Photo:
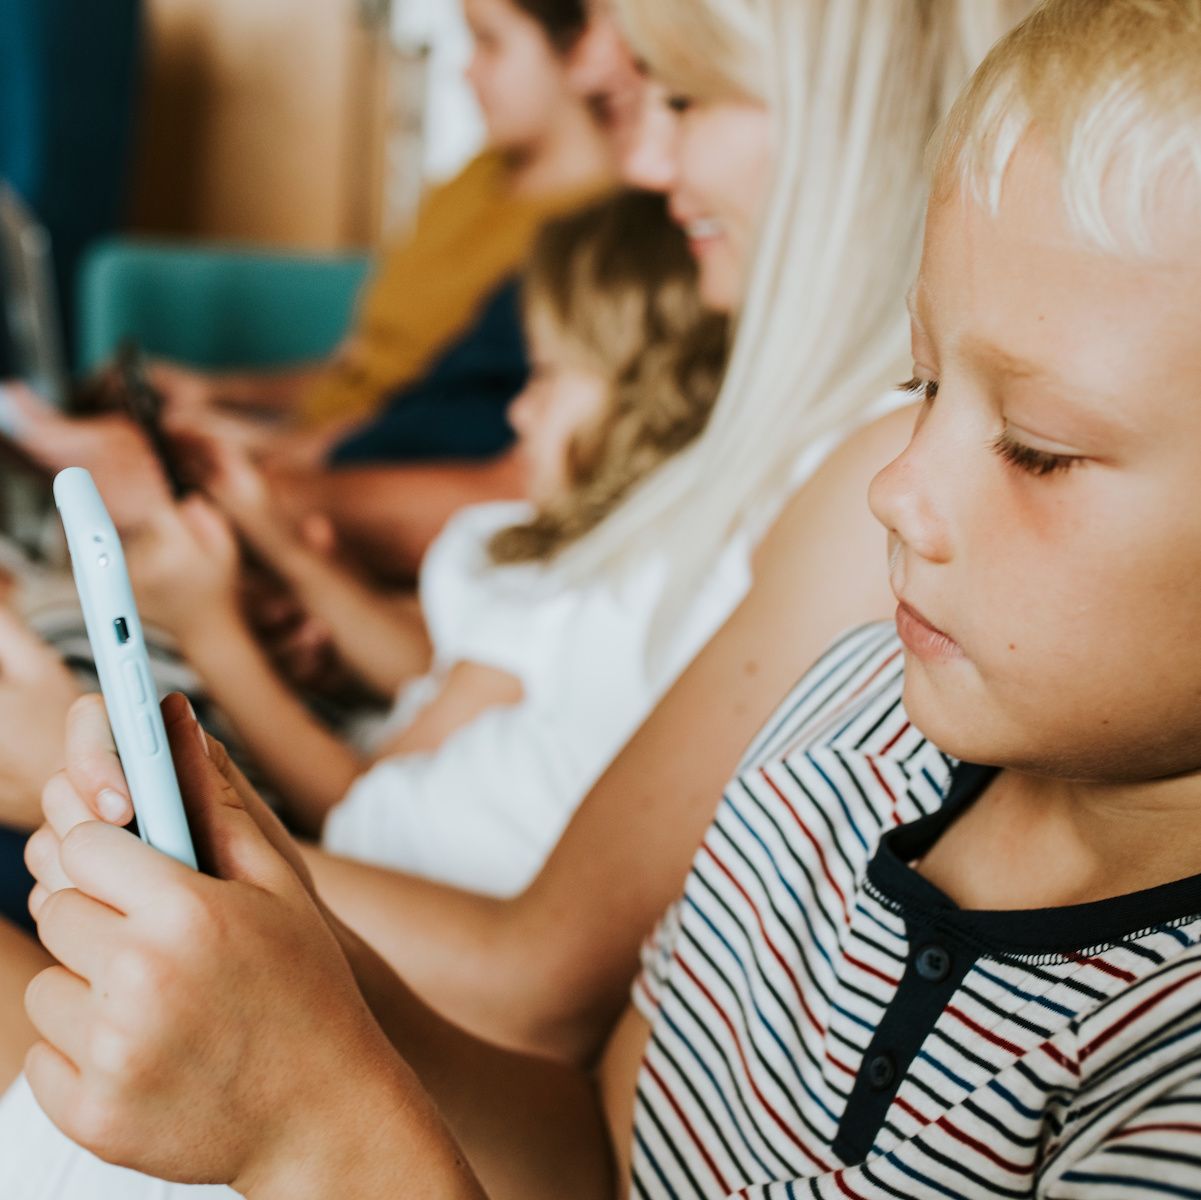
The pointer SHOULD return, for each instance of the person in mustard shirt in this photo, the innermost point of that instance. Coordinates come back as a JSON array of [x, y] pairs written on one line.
[[546, 155], [436, 344]]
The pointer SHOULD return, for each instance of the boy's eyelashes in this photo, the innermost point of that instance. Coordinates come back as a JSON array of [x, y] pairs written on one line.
[[1025, 458], [927, 389], [1033, 462]]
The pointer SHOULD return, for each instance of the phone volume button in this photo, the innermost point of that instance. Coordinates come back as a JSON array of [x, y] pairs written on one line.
[[148, 735], [138, 686]]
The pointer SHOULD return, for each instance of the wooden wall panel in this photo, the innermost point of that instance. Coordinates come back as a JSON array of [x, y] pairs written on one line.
[[256, 123]]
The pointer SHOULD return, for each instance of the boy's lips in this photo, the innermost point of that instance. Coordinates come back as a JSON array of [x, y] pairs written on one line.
[[923, 639]]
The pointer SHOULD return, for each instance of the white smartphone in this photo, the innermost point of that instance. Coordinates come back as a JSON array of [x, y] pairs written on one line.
[[115, 633]]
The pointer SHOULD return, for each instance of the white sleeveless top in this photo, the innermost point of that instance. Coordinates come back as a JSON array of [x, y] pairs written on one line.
[[484, 810]]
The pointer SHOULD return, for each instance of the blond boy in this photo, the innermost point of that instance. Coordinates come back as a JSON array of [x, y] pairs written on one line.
[[891, 973]]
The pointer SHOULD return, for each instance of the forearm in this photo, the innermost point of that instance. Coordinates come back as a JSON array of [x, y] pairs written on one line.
[[280, 391], [388, 516], [476, 960], [383, 641], [386, 1132], [530, 1128], [309, 767]]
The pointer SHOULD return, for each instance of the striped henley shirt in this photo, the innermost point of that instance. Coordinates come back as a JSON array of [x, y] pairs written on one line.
[[827, 1023]]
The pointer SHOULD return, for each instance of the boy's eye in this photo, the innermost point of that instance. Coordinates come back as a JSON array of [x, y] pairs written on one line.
[[679, 104], [927, 389], [1033, 462]]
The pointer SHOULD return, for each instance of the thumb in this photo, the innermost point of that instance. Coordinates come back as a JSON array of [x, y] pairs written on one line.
[[230, 843]]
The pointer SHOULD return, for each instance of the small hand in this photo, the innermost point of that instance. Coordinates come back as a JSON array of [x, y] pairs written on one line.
[[36, 690], [110, 446], [185, 391], [200, 1028], [240, 489], [183, 563]]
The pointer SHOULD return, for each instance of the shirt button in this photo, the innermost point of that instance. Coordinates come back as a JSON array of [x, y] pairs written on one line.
[[881, 1071], [933, 963]]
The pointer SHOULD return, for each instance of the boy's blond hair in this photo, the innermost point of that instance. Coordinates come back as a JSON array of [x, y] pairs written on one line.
[[618, 285], [1112, 87]]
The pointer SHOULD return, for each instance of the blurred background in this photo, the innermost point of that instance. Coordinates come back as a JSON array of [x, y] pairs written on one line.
[[289, 125]]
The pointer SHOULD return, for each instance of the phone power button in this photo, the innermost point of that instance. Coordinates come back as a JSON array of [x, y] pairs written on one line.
[[136, 680]]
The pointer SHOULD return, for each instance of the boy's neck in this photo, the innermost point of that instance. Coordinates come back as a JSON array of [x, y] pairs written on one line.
[[573, 156], [1033, 842]]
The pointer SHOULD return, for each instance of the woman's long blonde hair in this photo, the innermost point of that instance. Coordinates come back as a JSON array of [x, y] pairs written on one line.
[[855, 89]]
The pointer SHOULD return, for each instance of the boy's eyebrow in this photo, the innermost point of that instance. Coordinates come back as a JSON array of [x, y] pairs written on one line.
[[999, 361], [1004, 363]]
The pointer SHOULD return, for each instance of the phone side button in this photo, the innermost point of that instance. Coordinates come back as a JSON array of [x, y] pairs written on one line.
[[148, 735], [136, 679]]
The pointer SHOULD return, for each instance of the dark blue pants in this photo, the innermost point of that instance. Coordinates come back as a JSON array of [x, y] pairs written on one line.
[[15, 879]]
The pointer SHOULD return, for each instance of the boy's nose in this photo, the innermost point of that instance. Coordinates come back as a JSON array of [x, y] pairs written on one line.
[[902, 503]]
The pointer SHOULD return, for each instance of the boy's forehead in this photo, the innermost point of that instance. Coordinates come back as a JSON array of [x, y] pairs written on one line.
[[1024, 283]]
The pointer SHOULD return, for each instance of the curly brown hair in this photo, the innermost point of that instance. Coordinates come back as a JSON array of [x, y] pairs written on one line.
[[618, 282]]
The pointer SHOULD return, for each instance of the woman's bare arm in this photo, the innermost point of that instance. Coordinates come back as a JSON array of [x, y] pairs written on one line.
[[550, 969], [388, 516], [469, 689]]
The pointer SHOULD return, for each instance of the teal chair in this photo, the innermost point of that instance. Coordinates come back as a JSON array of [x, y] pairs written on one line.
[[213, 307]]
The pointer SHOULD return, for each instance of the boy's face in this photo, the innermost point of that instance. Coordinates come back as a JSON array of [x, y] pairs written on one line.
[[1045, 519]]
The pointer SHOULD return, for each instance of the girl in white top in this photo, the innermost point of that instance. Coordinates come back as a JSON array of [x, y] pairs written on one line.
[[516, 685]]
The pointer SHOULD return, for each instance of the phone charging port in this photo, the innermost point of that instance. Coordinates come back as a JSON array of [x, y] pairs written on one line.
[[122, 628]]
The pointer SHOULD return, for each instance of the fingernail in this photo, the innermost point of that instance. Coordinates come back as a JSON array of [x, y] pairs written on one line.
[[204, 741], [114, 807]]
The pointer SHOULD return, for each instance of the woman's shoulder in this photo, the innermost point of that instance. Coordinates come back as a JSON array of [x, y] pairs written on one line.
[[836, 490]]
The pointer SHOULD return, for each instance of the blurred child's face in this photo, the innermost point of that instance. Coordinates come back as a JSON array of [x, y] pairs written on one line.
[[1045, 520], [561, 402], [601, 69], [713, 160], [518, 78]]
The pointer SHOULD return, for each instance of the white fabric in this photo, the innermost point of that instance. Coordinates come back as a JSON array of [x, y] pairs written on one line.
[[37, 1162], [484, 810]]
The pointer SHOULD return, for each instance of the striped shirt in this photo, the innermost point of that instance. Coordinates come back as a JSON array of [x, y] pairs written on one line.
[[827, 1023]]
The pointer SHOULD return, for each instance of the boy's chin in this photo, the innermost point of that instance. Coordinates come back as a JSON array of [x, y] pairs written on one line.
[[951, 721]]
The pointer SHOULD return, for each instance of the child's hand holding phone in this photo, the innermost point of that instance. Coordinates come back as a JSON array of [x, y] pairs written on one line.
[[201, 1027]]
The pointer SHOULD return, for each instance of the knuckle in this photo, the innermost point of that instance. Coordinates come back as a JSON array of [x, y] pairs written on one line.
[[54, 908], [192, 919], [41, 851], [57, 793], [96, 1124], [35, 990], [81, 842], [137, 977], [119, 1055]]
